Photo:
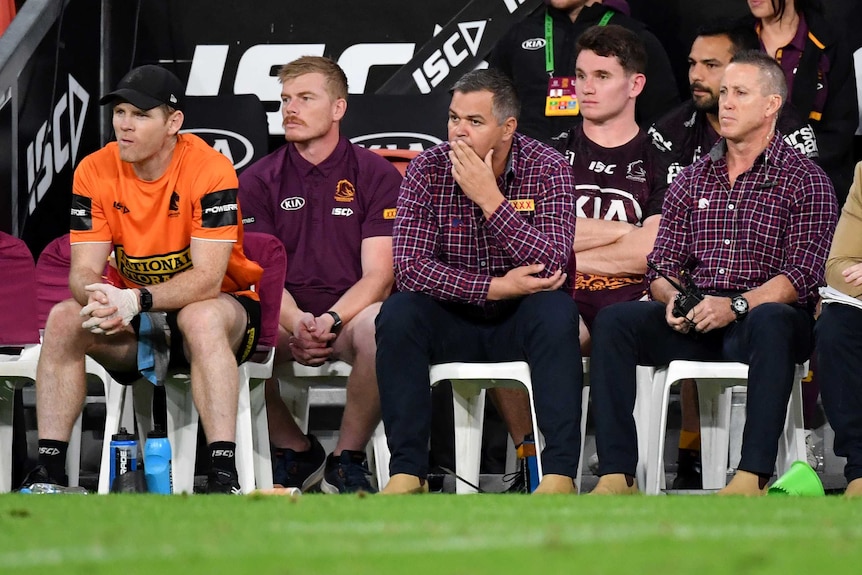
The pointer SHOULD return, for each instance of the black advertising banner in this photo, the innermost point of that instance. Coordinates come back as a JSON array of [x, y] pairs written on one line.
[[458, 47], [57, 122]]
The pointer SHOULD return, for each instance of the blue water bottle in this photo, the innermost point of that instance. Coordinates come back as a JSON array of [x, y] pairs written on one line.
[[157, 462], [124, 454]]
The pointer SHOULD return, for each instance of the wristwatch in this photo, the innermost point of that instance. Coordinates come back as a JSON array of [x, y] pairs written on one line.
[[336, 325], [146, 300], [739, 305]]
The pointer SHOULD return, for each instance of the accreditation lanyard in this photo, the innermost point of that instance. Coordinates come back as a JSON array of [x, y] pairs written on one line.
[[549, 38]]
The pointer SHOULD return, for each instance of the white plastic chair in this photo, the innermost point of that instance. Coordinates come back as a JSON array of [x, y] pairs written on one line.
[[302, 387], [253, 460], [33, 291], [469, 381], [641, 414], [715, 382]]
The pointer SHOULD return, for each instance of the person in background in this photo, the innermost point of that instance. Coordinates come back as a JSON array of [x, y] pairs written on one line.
[[538, 54], [620, 180], [332, 204], [839, 339], [821, 83]]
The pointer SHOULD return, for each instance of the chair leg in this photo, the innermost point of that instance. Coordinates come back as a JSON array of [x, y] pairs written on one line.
[[714, 398], [7, 414], [260, 436], [244, 440], [115, 396], [658, 430], [469, 411], [183, 435], [791, 444], [295, 397], [585, 405], [380, 456], [73, 455], [641, 415]]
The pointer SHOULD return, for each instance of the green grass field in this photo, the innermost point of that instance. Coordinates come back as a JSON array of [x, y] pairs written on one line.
[[439, 534]]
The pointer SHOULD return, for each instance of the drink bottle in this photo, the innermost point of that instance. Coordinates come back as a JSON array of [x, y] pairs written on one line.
[[124, 454], [157, 462]]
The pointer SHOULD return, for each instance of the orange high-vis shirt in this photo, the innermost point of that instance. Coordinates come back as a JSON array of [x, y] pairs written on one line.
[[151, 224]]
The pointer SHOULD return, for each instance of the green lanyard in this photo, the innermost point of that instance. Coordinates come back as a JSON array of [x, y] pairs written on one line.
[[549, 38]]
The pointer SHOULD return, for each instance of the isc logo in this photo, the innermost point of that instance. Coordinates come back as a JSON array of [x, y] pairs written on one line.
[[435, 69], [342, 211], [49, 153], [602, 168]]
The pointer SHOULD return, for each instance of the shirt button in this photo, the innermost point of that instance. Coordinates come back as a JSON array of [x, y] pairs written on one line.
[[483, 264], [729, 206], [721, 271], [727, 242]]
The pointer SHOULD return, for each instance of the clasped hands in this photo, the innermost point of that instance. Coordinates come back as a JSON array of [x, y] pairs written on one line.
[[311, 339], [109, 309], [713, 312]]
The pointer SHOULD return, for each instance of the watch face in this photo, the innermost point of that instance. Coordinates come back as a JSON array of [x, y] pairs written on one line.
[[740, 305]]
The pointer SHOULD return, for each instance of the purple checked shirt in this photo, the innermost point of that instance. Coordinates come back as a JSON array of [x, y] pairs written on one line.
[[443, 245], [777, 219]]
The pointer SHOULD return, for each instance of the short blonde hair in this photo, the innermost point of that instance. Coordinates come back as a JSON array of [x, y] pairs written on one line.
[[336, 80]]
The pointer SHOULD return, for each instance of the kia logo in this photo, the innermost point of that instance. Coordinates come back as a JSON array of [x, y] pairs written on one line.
[[397, 140], [236, 147], [291, 204], [533, 44]]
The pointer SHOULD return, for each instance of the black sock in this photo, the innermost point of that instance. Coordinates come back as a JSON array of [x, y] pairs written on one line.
[[52, 454], [222, 455]]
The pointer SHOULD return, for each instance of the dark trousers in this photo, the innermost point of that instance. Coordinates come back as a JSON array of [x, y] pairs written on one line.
[[770, 340], [839, 365], [415, 331]]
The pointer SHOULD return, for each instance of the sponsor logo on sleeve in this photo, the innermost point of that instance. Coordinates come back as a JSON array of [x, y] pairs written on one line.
[[81, 214], [219, 209], [389, 214], [523, 205]]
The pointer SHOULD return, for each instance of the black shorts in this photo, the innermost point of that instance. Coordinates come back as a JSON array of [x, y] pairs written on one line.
[[178, 357]]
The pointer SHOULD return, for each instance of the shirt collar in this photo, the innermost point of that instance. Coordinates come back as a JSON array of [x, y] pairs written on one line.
[[770, 153], [305, 168]]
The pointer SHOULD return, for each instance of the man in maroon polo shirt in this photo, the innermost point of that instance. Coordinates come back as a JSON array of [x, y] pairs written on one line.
[[332, 203]]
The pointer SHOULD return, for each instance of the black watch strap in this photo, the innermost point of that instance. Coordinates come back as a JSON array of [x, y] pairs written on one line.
[[146, 300], [336, 325]]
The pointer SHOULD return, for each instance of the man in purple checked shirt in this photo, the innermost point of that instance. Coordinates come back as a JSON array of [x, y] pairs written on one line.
[[750, 224], [483, 234]]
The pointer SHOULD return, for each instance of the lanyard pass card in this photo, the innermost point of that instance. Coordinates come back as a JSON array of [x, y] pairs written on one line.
[[561, 99]]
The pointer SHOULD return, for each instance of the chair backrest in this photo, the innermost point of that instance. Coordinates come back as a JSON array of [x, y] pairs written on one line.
[[52, 276], [19, 323], [268, 251], [398, 158]]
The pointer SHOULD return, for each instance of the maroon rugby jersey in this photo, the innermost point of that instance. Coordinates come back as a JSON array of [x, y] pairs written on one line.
[[626, 183]]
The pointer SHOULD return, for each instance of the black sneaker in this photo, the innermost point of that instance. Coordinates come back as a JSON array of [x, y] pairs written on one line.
[[519, 479], [224, 482], [688, 473], [347, 473], [39, 474], [300, 469]]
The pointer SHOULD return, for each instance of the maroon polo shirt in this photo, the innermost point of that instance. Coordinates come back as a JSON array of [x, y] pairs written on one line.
[[321, 213]]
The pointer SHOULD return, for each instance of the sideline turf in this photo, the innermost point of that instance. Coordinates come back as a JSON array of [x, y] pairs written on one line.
[[433, 534]]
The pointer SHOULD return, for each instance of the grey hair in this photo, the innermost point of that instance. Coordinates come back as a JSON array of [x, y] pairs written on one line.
[[771, 74], [505, 103]]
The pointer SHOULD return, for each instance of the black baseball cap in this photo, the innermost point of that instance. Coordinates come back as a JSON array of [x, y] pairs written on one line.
[[147, 87]]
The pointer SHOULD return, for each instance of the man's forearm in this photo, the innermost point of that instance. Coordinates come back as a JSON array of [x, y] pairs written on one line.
[[369, 289], [592, 233]]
